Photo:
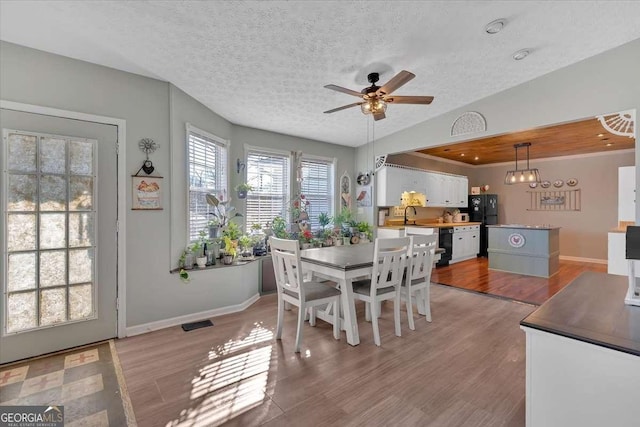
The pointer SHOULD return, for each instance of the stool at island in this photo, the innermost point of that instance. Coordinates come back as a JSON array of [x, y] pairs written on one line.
[[633, 255]]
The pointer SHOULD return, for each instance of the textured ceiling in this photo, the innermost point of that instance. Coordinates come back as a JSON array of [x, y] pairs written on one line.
[[264, 64]]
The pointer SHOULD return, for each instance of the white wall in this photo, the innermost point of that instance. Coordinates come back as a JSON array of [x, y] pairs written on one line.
[[605, 83], [158, 110]]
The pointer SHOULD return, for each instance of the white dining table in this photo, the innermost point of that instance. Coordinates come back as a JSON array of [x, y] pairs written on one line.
[[342, 264]]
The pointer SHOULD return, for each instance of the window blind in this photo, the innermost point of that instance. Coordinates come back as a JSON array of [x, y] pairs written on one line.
[[317, 186], [268, 174], [207, 174]]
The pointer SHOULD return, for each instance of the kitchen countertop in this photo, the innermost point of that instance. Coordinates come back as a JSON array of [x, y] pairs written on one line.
[[591, 309], [430, 225], [622, 227], [523, 226]]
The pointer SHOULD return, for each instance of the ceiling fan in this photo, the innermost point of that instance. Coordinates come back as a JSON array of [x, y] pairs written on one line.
[[375, 98]]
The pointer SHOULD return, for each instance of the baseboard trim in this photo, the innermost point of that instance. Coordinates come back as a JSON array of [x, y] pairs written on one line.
[[175, 321], [580, 259]]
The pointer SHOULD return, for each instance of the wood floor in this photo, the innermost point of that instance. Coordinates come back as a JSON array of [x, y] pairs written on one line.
[[475, 275], [466, 368]]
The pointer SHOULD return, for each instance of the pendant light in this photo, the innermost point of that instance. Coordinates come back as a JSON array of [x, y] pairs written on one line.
[[518, 176]]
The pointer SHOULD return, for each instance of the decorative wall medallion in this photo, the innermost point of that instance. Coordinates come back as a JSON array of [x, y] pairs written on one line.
[[516, 240], [572, 182], [469, 122], [545, 184], [620, 124], [558, 183], [533, 184], [380, 161]]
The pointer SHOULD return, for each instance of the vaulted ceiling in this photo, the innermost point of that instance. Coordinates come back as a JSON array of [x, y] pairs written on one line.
[[264, 64]]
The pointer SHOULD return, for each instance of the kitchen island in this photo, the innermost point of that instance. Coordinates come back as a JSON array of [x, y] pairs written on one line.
[[583, 356], [532, 250]]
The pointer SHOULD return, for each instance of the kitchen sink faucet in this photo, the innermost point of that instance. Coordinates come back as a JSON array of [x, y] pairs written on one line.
[[414, 213]]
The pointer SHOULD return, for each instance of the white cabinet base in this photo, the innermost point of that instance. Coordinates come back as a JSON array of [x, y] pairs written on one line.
[[573, 383]]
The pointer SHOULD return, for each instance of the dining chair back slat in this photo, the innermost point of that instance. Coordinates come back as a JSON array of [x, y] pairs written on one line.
[[418, 277]]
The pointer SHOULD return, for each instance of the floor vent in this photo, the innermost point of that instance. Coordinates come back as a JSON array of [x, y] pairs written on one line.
[[196, 325]]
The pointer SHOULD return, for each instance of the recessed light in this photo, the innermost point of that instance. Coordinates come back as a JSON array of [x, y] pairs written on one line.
[[521, 54], [600, 135], [496, 26], [609, 144], [476, 158], [461, 154]]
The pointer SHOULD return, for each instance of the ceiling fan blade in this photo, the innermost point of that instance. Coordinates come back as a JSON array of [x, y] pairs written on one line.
[[408, 99], [400, 79], [344, 90], [344, 107], [379, 116]]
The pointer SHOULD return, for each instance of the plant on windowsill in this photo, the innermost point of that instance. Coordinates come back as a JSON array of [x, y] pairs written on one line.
[[306, 239], [222, 215], [229, 251], [366, 231], [279, 228], [243, 189]]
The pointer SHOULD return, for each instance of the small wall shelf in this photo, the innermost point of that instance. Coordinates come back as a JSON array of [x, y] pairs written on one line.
[[555, 200]]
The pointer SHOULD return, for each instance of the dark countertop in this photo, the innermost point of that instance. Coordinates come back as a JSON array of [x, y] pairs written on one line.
[[592, 309]]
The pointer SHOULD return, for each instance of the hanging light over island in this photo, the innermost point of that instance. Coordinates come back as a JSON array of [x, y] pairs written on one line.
[[527, 175]]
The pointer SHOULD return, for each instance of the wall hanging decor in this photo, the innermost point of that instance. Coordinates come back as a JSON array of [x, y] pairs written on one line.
[[469, 122], [363, 198], [147, 192], [345, 191], [621, 124], [555, 200], [147, 146]]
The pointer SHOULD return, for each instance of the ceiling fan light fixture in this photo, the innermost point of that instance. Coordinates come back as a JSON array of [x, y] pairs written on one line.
[[494, 27], [522, 175], [374, 106]]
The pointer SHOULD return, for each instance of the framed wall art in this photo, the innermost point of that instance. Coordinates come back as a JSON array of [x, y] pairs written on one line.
[[147, 192]]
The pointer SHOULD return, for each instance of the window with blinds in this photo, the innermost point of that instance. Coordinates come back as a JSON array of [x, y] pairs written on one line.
[[207, 174], [317, 186], [268, 174]]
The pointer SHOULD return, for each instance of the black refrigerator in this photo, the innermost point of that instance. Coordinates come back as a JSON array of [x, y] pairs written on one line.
[[483, 208]]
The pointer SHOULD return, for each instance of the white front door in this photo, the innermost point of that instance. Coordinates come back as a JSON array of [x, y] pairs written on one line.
[[59, 263]]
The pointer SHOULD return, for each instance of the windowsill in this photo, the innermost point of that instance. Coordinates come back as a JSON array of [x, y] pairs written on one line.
[[220, 264]]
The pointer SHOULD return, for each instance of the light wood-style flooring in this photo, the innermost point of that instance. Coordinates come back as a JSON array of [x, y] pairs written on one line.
[[474, 275], [466, 368]]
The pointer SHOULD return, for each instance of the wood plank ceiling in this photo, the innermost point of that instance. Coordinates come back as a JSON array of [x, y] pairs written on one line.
[[581, 137]]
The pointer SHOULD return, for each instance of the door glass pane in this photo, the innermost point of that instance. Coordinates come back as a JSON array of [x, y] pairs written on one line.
[[80, 158], [53, 231], [53, 306], [81, 197], [21, 271], [53, 193], [21, 311], [80, 302], [53, 156], [23, 193], [81, 266], [22, 153], [53, 268], [21, 232], [80, 229]]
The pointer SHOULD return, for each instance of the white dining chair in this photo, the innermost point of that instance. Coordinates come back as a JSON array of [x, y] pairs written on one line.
[[293, 289], [389, 258], [418, 276]]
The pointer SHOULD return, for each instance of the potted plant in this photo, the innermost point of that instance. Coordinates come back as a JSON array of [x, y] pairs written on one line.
[[245, 244], [233, 232], [366, 231], [279, 228], [306, 238], [222, 215], [242, 190], [229, 251]]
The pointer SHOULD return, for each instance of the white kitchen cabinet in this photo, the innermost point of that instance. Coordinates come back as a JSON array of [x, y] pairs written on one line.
[[390, 233], [627, 193], [389, 182], [466, 243], [444, 190]]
